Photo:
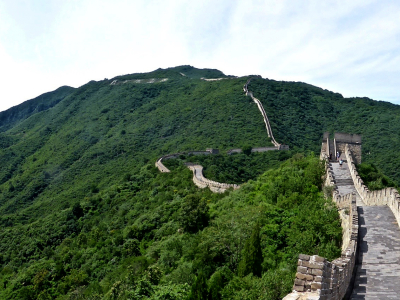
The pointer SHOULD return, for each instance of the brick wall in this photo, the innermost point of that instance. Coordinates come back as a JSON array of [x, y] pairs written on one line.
[[388, 196], [316, 277]]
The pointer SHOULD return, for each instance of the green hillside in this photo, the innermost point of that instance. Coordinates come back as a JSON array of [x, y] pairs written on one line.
[[12, 116], [84, 214], [299, 113]]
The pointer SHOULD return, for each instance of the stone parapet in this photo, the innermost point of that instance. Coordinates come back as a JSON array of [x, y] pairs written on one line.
[[198, 178], [263, 113], [264, 149], [317, 278], [203, 182], [160, 166], [387, 196]]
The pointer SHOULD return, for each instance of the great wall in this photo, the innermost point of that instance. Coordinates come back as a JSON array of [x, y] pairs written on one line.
[[264, 114], [369, 265], [198, 177]]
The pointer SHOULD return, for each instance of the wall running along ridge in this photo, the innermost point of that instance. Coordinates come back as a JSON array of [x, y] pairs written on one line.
[[203, 182], [198, 177], [387, 196], [264, 114], [316, 277]]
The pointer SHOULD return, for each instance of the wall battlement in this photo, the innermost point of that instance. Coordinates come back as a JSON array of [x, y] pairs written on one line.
[[334, 283], [203, 182], [316, 277], [264, 115], [387, 196], [198, 177], [338, 144]]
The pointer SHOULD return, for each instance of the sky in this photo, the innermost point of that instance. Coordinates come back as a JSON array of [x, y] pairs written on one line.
[[349, 47]]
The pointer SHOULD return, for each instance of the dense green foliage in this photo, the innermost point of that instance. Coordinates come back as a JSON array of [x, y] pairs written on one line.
[[235, 168], [130, 240], [373, 178], [252, 259], [299, 113], [84, 214], [16, 114]]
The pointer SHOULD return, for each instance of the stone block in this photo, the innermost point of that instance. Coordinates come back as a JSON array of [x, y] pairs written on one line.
[[299, 288], [315, 265], [318, 278], [317, 272], [302, 276], [316, 286], [318, 258], [302, 270], [304, 257], [299, 282]]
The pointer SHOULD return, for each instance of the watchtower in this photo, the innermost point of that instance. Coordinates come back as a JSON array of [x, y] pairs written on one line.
[[330, 148]]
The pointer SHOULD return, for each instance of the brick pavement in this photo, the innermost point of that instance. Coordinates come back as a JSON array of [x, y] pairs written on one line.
[[378, 266]]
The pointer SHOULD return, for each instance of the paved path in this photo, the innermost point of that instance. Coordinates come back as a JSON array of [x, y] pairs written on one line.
[[378, 269], [378, 266]]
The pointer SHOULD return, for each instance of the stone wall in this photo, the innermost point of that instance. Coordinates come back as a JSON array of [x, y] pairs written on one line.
[[198, 178], [203, 182], [338, 144], [352, 140], [317, 278], [356, 152], [347, 138], [160, 166], [388, 196], [263, 149], [231, 151], [263, 113]]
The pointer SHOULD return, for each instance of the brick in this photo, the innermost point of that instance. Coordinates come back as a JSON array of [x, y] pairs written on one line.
[[318, 258], [318, 278], [302, 270], [316, 286], [299, 282], [302, 276], [299, 288], [315, 265], [304, 257], [317, 272]]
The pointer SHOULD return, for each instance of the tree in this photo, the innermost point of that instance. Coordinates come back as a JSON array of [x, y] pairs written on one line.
[[193, 215], [77, 210], [247, 149], [218, 281], [252, 255], [199, 288]]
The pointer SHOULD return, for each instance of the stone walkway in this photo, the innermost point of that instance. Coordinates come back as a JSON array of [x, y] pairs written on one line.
[[378, 269], [378, 266]]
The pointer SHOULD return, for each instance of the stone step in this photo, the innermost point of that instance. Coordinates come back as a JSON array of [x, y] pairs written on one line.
[[341, 182]]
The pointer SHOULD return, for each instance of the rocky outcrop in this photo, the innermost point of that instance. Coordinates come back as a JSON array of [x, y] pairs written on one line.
[[148, 80]]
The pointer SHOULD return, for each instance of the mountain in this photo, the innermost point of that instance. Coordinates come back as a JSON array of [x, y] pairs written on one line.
[[84, 212], [12, 116]]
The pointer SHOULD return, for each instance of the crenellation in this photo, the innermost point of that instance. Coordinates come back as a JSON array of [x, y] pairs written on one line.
[[331, 280]]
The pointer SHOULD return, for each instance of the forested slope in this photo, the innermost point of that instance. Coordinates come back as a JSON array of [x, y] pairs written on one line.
[[15, 114], [84, 213], [299, 113]]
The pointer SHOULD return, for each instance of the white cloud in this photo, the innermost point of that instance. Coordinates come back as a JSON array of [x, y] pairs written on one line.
[[350, 47]]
